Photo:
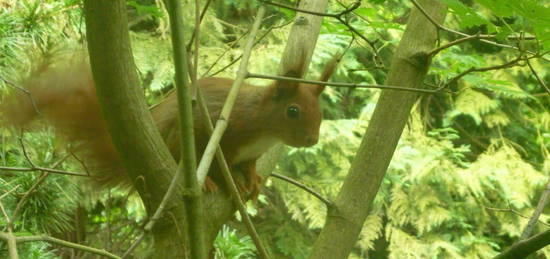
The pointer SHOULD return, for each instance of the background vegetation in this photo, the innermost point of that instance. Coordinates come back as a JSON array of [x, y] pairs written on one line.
[[468, 172]]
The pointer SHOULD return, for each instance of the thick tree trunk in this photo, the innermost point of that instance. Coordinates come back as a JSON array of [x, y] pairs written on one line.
[[141, 148], [133, 132], [410, 65]]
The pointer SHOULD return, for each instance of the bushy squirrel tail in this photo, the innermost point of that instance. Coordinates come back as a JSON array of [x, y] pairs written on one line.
[[63, 94]]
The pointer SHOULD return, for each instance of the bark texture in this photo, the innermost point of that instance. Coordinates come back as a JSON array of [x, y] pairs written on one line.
[[409, 66], [526, 247], [302, 39], [130, 124]]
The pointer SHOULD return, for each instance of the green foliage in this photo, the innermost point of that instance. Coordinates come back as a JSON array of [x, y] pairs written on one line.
[[229, 245], [504, 17], [469, 163]]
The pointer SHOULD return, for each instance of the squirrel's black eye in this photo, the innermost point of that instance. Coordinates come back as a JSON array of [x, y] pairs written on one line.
[[293, 111]]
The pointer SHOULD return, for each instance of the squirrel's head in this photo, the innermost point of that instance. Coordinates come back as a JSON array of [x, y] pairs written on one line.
[[295, 112]]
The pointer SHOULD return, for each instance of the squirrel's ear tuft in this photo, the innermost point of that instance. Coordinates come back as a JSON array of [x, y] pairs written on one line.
[[286, 88], [330, 67], [328, 71]]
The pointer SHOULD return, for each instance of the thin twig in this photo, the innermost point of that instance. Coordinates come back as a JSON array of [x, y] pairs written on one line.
[[441, 27], [221, 124], [514, 212], [43, 169], [38, 182], [213, 147], [133, 246], [39, 168], [80, 161], [349, 85], [158, 213], [26, 196], [223, 54], [338, 16], [539, 79], [200, 18], [6, 217], [8, 192], [456, 42], [508, 64], [536, 214], [240, 56], [23, 239], [327, 202], [25, 91], [333, 15], [25, 153]]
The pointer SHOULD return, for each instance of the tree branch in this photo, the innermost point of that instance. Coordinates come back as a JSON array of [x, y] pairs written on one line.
[[304, 187], [338, 16], [23, 239], [508, 64], [43, 169], [354, 201], [348, 85], [8, 192], [515, 212], [158, 213], [539, 79], [145, 157], [241, 55], [526, 247], [213, 147], [456, 42], [25, 91], [221, 124], [192, 195], [536, 214], [34, 186], [12, 244], [482, 37], [198, 20]]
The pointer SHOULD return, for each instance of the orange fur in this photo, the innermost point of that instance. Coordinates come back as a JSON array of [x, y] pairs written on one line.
[[65, 96]]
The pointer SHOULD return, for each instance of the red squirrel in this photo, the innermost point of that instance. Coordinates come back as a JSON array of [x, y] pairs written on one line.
[[263, 116]]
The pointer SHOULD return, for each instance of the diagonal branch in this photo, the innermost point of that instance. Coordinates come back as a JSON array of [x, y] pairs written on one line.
[[338, 16], [9, 191], [317, 195], [538, 211], [213, 147], [458, 41], [198, 20], [25, 91], [525, 247], [482, 37], [221, 124], [511, 63], [40, 180], [24, 239], [158, 213], [539, 79], [240, 56]]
